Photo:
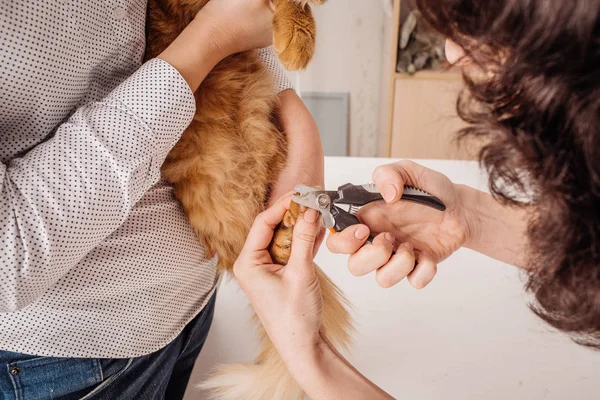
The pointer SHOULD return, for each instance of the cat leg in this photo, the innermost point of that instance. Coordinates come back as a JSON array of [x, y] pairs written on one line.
[[294, 33]]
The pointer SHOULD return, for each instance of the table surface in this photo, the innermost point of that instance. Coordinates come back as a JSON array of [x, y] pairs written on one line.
[[468, 335]]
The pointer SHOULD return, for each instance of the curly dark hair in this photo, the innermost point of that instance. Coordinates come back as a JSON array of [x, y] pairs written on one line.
[[536, 105]]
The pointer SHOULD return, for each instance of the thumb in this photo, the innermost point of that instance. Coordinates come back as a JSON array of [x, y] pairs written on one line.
[[305, 235], [390, 179]]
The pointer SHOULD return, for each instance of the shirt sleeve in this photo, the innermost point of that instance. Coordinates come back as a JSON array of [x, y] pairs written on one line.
[[271, 61], [68, 194]]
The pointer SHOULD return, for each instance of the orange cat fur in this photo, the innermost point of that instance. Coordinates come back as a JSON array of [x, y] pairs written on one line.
[[223, 166]]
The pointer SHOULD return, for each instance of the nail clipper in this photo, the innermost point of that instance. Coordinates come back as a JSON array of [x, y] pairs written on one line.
[[338, 208]]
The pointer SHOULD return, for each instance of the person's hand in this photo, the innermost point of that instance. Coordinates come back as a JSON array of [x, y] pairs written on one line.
[[289, 303], [288, 299], [221, 28], [238, 25], [304, 163], [420, 235]]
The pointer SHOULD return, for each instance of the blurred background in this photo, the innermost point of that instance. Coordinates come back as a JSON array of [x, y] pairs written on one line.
[[379, 86]]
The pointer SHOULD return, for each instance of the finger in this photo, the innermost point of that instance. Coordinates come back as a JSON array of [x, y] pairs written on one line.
[[262, 230], [423, 273], [318, 241], [390, 179], [400, 265], [349, 240], [372, 256], [305, 234]]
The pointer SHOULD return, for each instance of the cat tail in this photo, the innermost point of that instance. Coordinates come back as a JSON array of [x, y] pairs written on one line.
[[264, 381], [268, 378]]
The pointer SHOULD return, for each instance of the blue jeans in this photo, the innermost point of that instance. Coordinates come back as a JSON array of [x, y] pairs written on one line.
[[163, 374]]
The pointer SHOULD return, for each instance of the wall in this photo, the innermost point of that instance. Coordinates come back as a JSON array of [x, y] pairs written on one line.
[[349, 59], [388, 67]]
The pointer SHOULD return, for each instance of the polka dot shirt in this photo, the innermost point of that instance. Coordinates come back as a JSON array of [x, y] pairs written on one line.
[[97, 258]]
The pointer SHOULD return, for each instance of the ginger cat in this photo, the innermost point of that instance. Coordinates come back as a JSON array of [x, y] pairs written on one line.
[[224, 164]]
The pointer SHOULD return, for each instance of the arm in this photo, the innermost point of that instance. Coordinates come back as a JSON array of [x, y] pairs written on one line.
[[305, 161], [304, 164], [305, 150], [221, 28], [324, 374], [109, 153], [496, 230], [289, 302]]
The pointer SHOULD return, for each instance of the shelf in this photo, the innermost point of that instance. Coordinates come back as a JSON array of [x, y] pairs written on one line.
[[441, 75], [421, 116]]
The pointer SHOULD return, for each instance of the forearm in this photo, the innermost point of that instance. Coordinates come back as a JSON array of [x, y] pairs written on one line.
[[305, 150], [496, 230], [325, 374], [195, 52]]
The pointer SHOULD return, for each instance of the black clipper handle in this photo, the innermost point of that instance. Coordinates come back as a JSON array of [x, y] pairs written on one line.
[[365, 194], [344, 219]]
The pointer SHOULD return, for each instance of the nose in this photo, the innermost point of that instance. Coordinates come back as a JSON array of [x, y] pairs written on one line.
[[455, 54]]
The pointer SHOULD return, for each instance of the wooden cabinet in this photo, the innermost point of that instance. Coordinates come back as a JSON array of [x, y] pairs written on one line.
[[422, 120]]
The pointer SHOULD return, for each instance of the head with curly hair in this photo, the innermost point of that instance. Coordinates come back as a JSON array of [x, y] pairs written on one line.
[[535, 100]]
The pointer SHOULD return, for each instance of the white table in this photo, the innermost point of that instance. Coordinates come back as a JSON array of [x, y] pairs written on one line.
[[468, 335]]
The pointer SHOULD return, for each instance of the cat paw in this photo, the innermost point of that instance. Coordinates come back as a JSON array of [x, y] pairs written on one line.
[[294, 33], [281, 245]]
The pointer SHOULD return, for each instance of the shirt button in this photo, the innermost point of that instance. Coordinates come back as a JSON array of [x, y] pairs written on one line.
[[14, 371], [119, 12]]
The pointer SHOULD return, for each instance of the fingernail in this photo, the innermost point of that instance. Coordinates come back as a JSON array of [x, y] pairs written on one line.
[[389, 193], [311, 216], [361, 233], [390, 238]]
